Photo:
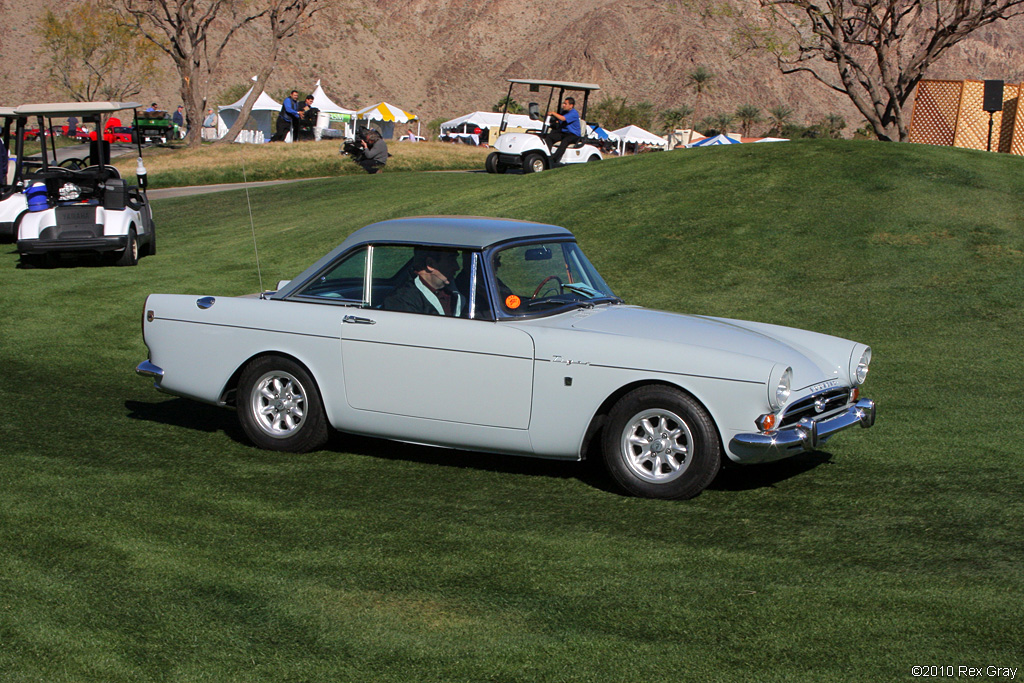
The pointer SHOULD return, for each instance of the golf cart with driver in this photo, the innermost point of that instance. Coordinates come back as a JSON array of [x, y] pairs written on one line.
[[79, 205], [531, 150]]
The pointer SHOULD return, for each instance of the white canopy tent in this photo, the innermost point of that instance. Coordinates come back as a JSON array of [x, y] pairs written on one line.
[[487, 119], [261, 115], [388, 115], [329, 111], [637, 136]]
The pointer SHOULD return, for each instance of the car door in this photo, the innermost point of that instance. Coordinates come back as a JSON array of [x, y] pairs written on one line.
[[452, 369]]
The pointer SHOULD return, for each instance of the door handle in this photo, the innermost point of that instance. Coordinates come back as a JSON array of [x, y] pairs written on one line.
[[357, 320]]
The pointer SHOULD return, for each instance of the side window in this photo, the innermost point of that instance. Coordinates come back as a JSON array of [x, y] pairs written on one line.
[[429, 281], [392, 268], [342, 281]]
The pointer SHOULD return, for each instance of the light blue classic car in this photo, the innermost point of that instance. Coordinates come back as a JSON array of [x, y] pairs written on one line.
[[500, 336]]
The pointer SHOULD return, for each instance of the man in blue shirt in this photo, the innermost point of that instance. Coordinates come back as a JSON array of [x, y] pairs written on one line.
[[288, 117], [568, 132]]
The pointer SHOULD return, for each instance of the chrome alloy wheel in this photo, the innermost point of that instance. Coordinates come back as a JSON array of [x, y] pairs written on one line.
[[278, 404], [656, 445]]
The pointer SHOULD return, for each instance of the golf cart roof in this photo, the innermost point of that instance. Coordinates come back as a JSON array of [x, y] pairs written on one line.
[[565, 85], [6, 111], [73, 108]]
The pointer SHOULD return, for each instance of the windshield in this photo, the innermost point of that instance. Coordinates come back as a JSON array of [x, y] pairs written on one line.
[[535, 279]]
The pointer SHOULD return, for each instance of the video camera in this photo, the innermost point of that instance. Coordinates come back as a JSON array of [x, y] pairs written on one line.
[[354, 148]]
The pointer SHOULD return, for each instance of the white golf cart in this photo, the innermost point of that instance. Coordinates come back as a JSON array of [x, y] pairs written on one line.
[[12, 200], [79, 206], [530, 150]]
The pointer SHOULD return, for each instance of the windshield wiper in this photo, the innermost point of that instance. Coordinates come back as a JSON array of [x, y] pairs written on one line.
[[560, 301]]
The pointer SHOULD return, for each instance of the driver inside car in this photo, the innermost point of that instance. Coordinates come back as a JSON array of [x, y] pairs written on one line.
[[430, 290]]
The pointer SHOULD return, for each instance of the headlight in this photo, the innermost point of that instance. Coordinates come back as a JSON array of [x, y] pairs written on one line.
[[859, 372], [779, 386]]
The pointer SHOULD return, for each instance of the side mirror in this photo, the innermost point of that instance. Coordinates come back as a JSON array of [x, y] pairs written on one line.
[[534, 110]]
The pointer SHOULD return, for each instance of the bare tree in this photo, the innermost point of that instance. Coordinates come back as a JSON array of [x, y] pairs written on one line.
[[195, 34], [284, 19], [872, 51], [90, 56]]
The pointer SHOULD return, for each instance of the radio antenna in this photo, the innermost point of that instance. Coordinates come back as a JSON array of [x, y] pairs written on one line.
[[248, 203]]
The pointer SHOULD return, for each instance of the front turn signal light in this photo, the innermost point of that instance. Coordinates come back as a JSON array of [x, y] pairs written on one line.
[[766, 423]]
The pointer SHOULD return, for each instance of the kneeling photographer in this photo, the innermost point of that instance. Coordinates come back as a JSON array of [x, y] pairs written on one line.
[[368, 150]]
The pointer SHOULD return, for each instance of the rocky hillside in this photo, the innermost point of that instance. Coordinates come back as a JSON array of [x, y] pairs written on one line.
[[443, 59]]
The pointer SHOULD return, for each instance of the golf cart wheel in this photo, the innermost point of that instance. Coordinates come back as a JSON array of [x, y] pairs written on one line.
[[661, 443], [491, 164], [534, 163], [130, 255], [593, 157]]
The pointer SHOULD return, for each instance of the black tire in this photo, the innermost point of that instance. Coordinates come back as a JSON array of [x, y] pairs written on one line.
[[661, 443], [534, 163], [491, 164], [129, 256], [279, 406], [593, 157]]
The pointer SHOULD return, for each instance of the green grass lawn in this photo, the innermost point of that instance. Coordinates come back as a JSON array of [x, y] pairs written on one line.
[[144, 539]]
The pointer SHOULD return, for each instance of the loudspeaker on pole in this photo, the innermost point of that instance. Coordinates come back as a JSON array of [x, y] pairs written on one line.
[[993, 96]]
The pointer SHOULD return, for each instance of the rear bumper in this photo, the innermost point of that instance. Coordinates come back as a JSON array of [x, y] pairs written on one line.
[[807, 435], [147, 369], [115, 243]]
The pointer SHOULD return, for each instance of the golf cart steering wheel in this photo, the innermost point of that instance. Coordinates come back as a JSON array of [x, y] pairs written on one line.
[[543, 282]]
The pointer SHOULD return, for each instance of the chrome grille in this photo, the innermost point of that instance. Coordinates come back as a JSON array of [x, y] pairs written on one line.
[[815, 405]]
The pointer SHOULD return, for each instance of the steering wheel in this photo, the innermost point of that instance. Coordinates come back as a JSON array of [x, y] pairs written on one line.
[[73, 164], [546, 280]]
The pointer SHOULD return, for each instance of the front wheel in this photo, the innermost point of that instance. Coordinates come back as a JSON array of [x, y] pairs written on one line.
[[279, 406], [534, 163], [661, 443], [491, 164]]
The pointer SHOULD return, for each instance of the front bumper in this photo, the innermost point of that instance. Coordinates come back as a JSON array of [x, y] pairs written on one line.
[[806, 435], [116, 243]]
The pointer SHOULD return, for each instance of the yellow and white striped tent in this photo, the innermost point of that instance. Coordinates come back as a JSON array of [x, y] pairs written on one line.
[[388, 115]]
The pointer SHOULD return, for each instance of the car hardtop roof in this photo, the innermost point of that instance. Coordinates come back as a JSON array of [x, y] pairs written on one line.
[[469, 232], [73, 108], [463, 232], [565, 85]]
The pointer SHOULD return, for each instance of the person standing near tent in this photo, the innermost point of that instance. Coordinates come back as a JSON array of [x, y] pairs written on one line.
[[568, 132], [288, 117], [210, 125]]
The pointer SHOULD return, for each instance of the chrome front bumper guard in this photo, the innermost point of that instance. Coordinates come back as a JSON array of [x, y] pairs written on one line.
[[807, 435]]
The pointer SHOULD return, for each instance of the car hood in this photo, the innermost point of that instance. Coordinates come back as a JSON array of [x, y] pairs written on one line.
[[814, 357]]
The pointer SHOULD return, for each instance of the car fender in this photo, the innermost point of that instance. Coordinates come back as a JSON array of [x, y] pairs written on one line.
[[201, 342]]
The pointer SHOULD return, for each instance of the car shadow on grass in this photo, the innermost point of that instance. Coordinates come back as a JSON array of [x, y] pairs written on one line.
[[766, 475], [187, 414]]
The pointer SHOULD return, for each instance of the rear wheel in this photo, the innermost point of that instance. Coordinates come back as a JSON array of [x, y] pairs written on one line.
[[130, 255], [279, 406], [661, 443], [534, 163]]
